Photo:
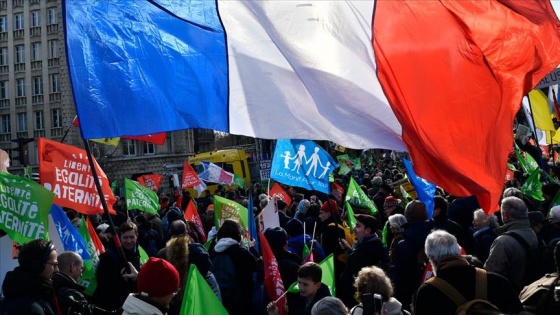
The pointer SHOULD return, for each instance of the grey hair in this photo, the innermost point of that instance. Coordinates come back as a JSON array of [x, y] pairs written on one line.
[[377, 181], [515, 208], [441, 244], [329, 306], [512, 192], [66, 259]]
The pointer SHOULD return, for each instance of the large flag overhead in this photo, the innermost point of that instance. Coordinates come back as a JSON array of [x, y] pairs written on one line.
[[278, 69]]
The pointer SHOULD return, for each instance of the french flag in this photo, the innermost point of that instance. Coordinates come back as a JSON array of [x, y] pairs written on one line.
[[442, 80]]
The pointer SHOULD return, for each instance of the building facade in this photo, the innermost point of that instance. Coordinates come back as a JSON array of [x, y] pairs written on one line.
[[36, 98]]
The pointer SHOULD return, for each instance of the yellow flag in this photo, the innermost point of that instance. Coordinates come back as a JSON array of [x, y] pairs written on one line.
[[539, 108], [109, 141]]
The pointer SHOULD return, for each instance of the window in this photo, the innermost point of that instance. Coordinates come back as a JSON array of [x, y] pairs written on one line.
[[149, 148], [53, 48], [38, 85], [35, 19], [129, 147], [36, 51], [20, 87], [20, 54], [18, 21], [3, 23], [3, 90], [56, 118], [5, 124], [39, 120], [55, 83], [52, 16], [4, 56], [21, 122]]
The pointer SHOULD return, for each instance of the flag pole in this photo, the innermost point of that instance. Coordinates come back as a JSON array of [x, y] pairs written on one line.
[[116, 238], [312, 237]]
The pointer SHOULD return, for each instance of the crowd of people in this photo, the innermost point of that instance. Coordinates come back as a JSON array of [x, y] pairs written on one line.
[[401, 260]]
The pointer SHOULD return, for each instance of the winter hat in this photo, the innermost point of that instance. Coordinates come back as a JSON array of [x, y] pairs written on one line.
[[330, 206], [157, 278], [536, 217], [294, 227], [276, 237], [397, 220], [391, 201]]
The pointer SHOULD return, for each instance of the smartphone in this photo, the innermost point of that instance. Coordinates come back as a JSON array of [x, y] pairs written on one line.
[[368, 304], [378, 301]]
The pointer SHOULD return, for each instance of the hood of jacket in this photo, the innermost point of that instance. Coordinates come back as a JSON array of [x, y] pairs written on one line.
[[224, 243], [22, 283], [135, 306]]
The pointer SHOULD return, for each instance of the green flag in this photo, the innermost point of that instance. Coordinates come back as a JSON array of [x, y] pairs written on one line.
[[27, 171], [199, 299], [357, 163], [143, 255], [357, 197], [24, 208], [88, 279], [533, 186], [306, 251], [238, 181], [527, 163], [345, 163], [114, 187], [140, 197], [351, 216], [208, 243], [327, 266], [229, 209], [384, 234]]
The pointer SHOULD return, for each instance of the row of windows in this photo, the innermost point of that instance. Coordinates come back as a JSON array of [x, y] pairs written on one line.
[[38, 121], [36, 88], [129, 147], [19, 24], [36, 52]]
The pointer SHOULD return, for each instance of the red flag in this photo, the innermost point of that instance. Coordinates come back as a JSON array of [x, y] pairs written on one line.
[[494, 52], [277, 190], [191, 215], [75, 121], [544, 150], [190, 177], [156, 138], [152, 181], [337, 191], [509, 175], [94, 238], [272, 279]]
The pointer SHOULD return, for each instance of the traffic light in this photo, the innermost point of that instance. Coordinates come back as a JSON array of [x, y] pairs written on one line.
[[22, 149]]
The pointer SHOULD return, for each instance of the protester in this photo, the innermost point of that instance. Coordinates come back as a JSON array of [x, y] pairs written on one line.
[[444, 254], [28, 288], [331, 234], [396, 224], [116, 279], [158, 282], [484, 236], [373, 280], [288, 262], [296, 241], [329, 306], [442, 222]]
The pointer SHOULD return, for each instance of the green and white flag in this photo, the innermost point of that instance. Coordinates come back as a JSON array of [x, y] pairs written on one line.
[[140, 197], [238, 181], [228, 209], [358, 198], [533, 186], [24, 208]]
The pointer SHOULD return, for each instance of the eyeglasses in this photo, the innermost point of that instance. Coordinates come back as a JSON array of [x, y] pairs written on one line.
[[55, 265]]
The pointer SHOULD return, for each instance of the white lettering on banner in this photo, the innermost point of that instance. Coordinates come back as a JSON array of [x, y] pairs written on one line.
[[311, 181], [550, 79], [74, 178], [76, 195], [73, 165], [25, 228]]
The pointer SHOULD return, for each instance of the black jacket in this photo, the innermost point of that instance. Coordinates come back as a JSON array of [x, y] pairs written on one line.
[[27, 293], [300, 307], [69, 295]]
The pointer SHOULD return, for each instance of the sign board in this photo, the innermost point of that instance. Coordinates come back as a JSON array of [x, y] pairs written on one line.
[[550, 79], [265, 166]]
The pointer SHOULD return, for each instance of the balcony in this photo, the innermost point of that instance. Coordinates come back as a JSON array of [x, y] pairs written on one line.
[[5, 103], [5, 69], [17, 3], [52, 29], [39, 133], [57, 132], [5, 137], [37, 99], [21, 101], [55, 97], [3, 36], [54, 62], [37, 65], [34, 1], [35, 31], [19, 67], [19, 34]]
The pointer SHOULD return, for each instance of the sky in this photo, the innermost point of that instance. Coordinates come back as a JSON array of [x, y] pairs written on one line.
[[556, 5]]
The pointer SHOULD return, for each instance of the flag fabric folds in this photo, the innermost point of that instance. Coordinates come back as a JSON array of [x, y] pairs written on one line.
[[425, 190], [272, 279], [190, 177], [357, 197], [69, 235], [215, 174], [229, 209], [327, 70], [95, 248], [191, 215], [279, 192], [152, 181], [140, 197], [199, 299]]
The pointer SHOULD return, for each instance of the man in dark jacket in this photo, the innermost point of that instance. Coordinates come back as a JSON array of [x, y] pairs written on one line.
[[27, 288], [444, 254], [367, 251]]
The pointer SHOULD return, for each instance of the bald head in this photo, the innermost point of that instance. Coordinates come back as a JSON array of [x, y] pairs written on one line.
[[71, 264]]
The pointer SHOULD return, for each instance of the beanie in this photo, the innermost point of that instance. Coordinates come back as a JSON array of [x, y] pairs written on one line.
[[276, 237], [391, 201], [330, 206], [157, 278], [294, 227]]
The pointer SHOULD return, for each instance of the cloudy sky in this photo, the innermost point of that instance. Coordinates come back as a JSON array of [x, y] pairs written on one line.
[[556, 5]]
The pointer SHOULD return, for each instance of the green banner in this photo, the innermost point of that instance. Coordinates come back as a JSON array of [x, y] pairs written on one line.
[[328, 278], [229, 209], [358, 198], [88, 279], [24, 208], [357, 163], [533, 186], [351, 216], [238, 181], [140, 197]]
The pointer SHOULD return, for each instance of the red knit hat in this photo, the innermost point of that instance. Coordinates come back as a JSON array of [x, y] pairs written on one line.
[[330, 206], [157, 278], [391, 201]]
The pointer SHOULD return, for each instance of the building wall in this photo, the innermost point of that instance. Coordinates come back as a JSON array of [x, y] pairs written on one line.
[[56, 100]]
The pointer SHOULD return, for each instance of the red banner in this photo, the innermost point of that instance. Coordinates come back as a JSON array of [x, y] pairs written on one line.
[[272, 279], [152, 181], [191, 215], [65, 170], [190, 177], [278, 191], [337, 191], [99, 248], [156, 138]]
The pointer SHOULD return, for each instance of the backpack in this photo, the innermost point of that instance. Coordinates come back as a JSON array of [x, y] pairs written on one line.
[[539, 260], [480, 304], [538, 297], [226, 276]]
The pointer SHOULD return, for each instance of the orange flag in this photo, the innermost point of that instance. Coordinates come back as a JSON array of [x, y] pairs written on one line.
[[65, 170], [152, 181], [191, 215], [278, 191], [190, 177], [99, 248]]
